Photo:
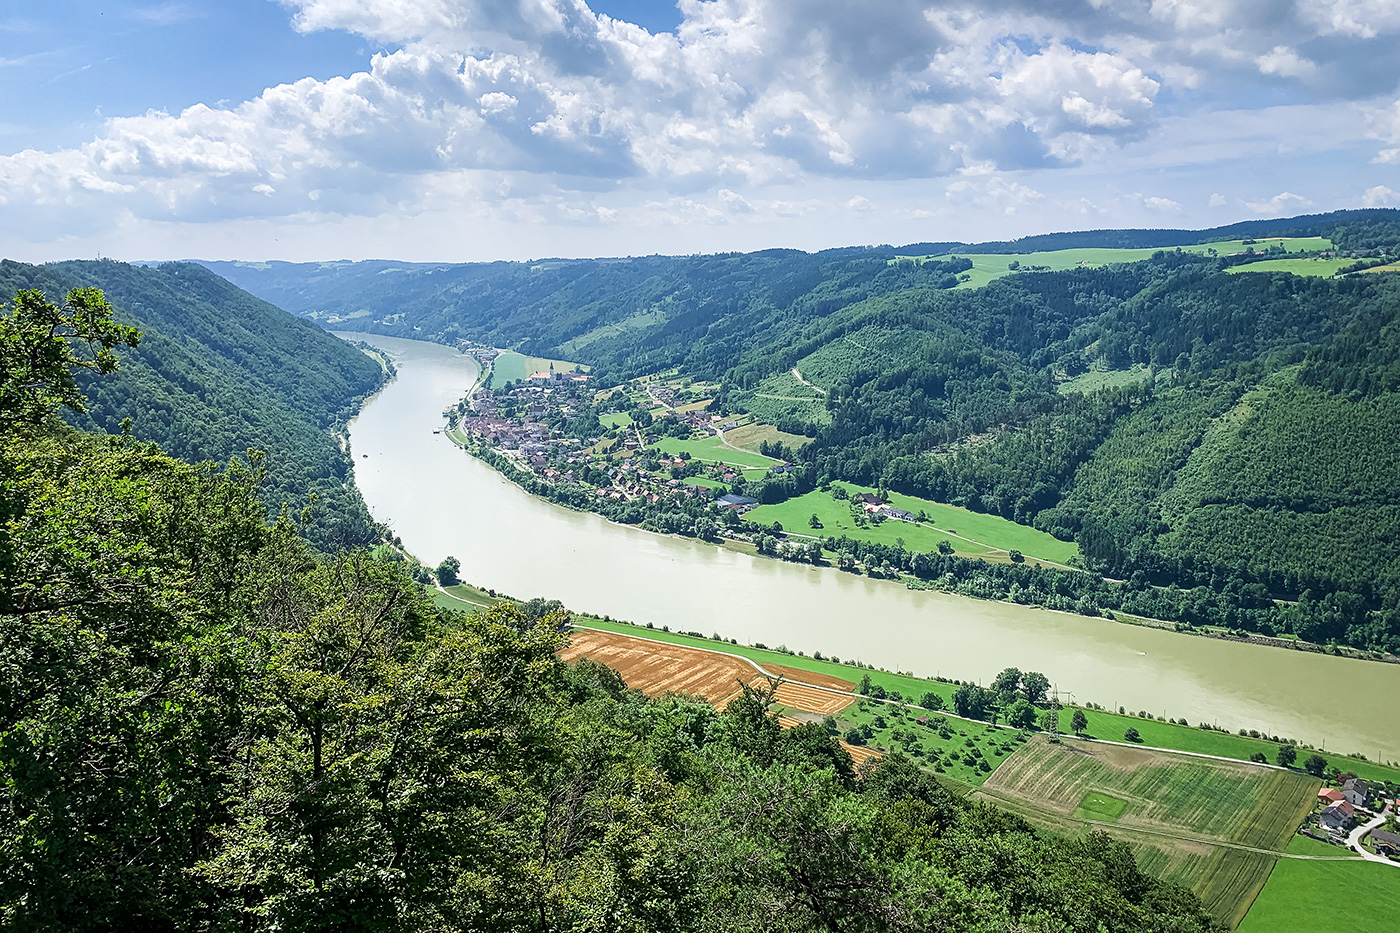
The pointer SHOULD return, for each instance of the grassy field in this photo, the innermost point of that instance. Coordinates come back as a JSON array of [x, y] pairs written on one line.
[[712, 449], [1304, 896], [615, 419], [1173, 809], [1295, 266], [969, 532], [1307, 845], [751, 435], [511, 366], [1094, 380], [989, 266]]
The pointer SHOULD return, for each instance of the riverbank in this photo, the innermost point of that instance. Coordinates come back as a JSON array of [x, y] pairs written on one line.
[[902, 687]]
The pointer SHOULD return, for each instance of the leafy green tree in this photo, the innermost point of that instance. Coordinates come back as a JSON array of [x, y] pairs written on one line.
[[1286, 755], [1078, 722], [1035, 686], [42, 347], [1007, 683], [814, 521], [447, 571], [1020, 714], [1315, 765], [1259, 758], [932, 701], [1131, 734]]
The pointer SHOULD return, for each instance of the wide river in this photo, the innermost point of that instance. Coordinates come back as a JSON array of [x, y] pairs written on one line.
[[442, 501]]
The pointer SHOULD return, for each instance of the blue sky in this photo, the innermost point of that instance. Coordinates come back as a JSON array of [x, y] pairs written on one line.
[[457, 130]]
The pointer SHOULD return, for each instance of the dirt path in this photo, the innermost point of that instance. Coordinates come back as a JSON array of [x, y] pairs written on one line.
[[802, 379]]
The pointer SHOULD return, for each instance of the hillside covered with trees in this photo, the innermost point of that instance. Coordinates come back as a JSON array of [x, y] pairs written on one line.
[[207, 725], [1222, 443], [218, 372]]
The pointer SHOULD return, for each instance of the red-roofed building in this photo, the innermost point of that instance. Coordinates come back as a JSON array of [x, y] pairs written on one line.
[[1331, 795]]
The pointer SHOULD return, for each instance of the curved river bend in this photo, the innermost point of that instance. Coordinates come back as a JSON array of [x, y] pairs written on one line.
[[442, 501]]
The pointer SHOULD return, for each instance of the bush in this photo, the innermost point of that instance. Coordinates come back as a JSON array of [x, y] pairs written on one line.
[[1132, 735]]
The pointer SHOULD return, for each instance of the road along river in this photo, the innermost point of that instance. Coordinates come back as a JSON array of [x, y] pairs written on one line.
[[442, 501]]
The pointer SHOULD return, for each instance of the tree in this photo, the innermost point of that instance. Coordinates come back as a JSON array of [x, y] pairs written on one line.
[[864, 688], [1007, 683], [945, 547], [1034, 686], [1315, 765], [1078, 722], [1287, 754], [814, 521], [1132, 735], [447, 571], [1259, 758], [931, 701], [1020, 714], [43, 345], [813, 552], [1017, 557], [767, 544], [972, 701]]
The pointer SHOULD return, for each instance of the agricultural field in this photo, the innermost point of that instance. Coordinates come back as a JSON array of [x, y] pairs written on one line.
[[512, 367], [1295, 266], [1201, 798], [970, 533], [989, 266], [1326, 896], [1174, 810], [710, 448], [655, 668], [750, 436]]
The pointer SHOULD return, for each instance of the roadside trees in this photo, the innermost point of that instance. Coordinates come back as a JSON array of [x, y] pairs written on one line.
[[1287, 754], [1132, 735], [447, 571], [1078, 722], [1315, 765], [1034, 685]]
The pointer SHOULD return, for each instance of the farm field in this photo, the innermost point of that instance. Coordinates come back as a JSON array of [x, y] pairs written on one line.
[[1295, 266], [749, 436], [1320, 896], [989, 266], [1170, 808], [1197, 797], [967, 752], [658, 668], [711, 448], [511, 366], [971, 533]]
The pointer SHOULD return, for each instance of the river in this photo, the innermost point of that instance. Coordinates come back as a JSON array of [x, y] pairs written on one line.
[[441, 501]]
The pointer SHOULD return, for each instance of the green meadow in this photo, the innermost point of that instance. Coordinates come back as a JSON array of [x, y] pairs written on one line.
[[972, 533], [989, 266], [1295, 266], [711, 448], [1324, 896]]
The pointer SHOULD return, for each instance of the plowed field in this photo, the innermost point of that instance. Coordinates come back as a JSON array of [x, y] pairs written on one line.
[[655, 668], [859, 753]]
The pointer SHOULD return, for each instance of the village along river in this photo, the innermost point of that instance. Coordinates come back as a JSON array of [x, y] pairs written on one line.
[[441, 501]]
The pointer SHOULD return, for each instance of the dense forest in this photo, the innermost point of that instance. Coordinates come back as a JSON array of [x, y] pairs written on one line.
[[1220, 443], [208, 725], [218, 372]]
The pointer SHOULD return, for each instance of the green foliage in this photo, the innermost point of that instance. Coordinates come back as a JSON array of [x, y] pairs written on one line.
[[217, 373]]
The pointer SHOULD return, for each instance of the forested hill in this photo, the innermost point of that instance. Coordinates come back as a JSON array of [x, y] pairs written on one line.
[[218, 372], [1219, 438]]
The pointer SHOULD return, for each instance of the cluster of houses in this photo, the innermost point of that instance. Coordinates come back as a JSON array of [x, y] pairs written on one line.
[[1346, 806]]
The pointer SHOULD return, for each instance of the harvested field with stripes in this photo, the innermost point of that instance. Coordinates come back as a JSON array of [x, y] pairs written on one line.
[[808, 677], [803, 697], [656, 668], [859, 753], [1210, 825]]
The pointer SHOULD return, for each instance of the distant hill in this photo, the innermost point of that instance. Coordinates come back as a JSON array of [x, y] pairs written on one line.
[[1215, 440], [218, 372]]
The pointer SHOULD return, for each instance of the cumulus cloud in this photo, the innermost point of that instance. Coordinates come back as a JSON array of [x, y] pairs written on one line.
[[1162, 205], [1283, 201], [543, 102], [1217, 200], [1380, 196]]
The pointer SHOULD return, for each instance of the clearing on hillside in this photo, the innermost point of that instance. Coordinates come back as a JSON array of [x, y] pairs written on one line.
[[655, 668], [1188, 819]]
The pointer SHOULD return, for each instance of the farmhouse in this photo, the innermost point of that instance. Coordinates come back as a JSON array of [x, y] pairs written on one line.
[[868, 498], [1357, 792], [1386, 843], [1336, 816], [1331, 795], [730, 500]]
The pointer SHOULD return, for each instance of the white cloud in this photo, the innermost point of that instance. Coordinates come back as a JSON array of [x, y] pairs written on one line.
[[1380, 196], [1283, 201], [1217, 200], [541, 111]]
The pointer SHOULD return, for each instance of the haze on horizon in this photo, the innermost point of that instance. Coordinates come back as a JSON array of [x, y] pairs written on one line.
[[451, 130]]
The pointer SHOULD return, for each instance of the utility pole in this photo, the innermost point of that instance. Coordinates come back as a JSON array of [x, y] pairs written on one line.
[[1055, 713]]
